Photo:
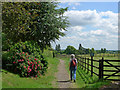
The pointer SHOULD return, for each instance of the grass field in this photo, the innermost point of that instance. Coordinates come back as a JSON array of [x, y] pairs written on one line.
[[104, 63], [101, 55], [10, 80], [0, 80]]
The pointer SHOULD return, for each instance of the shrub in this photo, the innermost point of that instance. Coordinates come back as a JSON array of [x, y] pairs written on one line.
[[27, 60]]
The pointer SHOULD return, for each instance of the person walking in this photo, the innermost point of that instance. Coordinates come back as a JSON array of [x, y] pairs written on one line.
[[73, 67]]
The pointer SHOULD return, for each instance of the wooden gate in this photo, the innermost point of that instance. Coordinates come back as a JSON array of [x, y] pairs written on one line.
[[116, 71], [102, 73]]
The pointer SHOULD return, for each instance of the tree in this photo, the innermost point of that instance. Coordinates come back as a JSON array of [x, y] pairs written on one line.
[[87, 51], [37, 21], [101, 50], [104, 51], [80, 49], [92, 50], [70, 50], [5, 45], [57, 48]]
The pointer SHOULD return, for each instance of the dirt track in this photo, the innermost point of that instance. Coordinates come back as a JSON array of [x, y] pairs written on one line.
[[63, 77]]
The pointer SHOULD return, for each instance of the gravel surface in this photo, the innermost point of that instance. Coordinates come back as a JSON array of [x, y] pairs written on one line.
[[63, 77]]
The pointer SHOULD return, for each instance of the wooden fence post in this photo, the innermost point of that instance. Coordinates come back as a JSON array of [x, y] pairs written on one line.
[[79, 62], [85, 63], [91, 65], [88, 64], [82, 63], [101, 68]]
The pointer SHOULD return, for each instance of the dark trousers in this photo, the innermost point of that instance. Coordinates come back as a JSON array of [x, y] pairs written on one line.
[[73, 73]]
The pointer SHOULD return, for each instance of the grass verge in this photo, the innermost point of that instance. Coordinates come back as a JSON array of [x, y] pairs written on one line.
[[10, 80]]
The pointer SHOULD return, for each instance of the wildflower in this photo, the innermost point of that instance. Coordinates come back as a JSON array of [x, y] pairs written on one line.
[[29, 13], [23, 52], [36, 67], [35, 59], [14, 62]]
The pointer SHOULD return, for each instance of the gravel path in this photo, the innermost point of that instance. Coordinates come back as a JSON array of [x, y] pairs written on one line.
[[63, 77]]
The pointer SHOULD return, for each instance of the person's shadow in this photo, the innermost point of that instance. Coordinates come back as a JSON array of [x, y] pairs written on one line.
[[64, 81]]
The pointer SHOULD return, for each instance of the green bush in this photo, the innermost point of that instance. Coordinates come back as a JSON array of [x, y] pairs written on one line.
[[26, 59]]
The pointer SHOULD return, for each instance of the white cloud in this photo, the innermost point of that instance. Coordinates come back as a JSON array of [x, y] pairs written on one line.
[[82, 17], [77, 4], [73, 8], [103, 34]]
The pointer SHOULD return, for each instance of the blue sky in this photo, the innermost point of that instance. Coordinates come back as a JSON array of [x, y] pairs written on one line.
[[99, 6], [93, 24]]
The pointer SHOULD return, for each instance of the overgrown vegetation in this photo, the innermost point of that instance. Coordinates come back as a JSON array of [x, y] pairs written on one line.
[[26, 59], [11, 80]]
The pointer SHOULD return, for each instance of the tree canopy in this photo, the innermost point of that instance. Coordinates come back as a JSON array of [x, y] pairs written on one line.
[[70, 50], [38, 21]]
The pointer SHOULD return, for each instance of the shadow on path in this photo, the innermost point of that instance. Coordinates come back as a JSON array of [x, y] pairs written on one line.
[[85, 77], [63, 76], [64, 81]]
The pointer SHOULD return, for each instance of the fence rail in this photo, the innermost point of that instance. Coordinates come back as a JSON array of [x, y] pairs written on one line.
[[88, 65]]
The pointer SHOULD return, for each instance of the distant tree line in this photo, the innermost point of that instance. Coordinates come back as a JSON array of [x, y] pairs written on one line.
[[81, 50]]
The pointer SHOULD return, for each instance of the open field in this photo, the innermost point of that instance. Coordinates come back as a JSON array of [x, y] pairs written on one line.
[[104, 63]]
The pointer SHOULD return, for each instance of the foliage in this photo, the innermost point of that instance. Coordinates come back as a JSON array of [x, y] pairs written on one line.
[[80, 47], [70, 50], [26, 58], [38, 21], [92, 50], [58, 49], [101, 50], [11, 80], [5, 45], [104, 50], [88, 51]]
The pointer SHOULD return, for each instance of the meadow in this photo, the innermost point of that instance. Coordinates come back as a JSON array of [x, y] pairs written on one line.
[[106, 57]]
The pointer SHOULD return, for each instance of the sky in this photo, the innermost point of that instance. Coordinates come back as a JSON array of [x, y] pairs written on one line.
[[92, 24]]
